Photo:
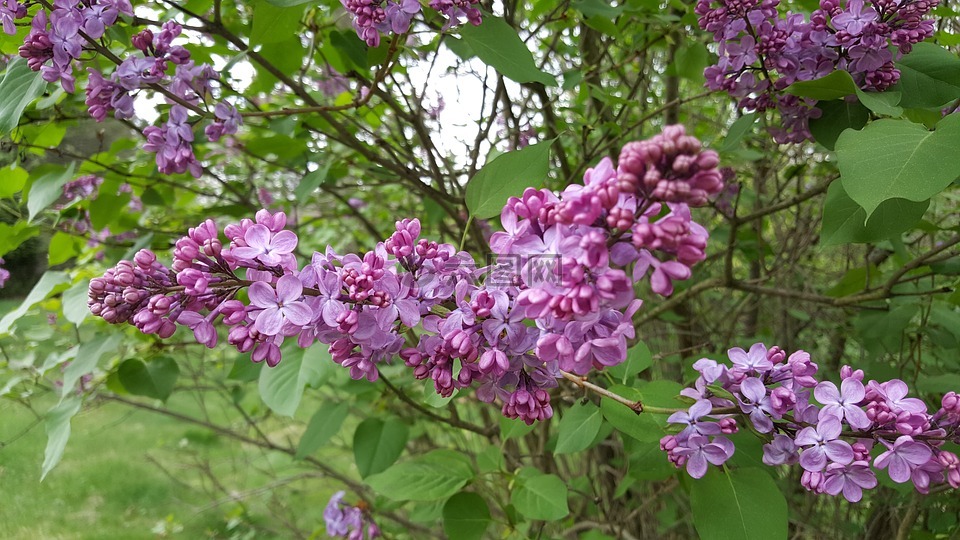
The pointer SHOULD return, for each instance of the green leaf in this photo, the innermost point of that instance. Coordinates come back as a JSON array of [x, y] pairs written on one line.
[[882, 102], [541, 497], [843, 219], [88, 356], [63, 247], [46, 189], [12, 180], [898, 159], [466, 516], [739, 504], [929, 77], [691, 59], [154, 379], [639, 426], [20, 86], [377, 444], [11, 236], [244, 370], [833, 86], [281, 387], [432, 476], [309, 183], [324, 424], [513, 428], [41, 290], [577, 428], [507, 175], [57, 425], [273, 23], [638, 359], [836, 117], [740, 127], [497, 44], [595, 8], [289, 3], [74, 302]]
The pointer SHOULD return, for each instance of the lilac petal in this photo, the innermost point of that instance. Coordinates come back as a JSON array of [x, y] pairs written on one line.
[[895, 389], [697, 465], [852, 390], [807, 436], [898, 470], [700, 409], [714, 454], [269, 321], [248, 253], [852, 492], [834, 484], [813, 459], [753, 389], [761, 421], [827, 393], [916, 453], [298, 313], [839, 451], [856, 417], [257, 236], [829, 428], [262, 295], [289, 288], [284, 242]]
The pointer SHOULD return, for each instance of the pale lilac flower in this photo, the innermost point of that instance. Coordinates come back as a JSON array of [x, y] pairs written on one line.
[[280, 305], [781, 451], [264, 246], [903, 456], [699, 451], [850, 479], [843, 403], [691, 418], [822, 444]]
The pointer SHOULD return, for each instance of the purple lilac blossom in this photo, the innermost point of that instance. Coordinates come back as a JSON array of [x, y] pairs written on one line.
[[831, 438], [360, 305], [349, 522], [762, 52], [4, 274]]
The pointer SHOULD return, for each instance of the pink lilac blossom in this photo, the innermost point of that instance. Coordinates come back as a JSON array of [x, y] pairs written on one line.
[[828, 431]]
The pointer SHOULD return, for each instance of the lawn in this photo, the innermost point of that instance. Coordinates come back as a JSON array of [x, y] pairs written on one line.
[[129, 474]]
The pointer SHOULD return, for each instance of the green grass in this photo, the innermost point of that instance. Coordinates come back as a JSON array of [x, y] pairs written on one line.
[[110, 483]]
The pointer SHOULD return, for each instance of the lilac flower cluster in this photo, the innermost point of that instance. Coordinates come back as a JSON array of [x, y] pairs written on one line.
[[11, 10], [52, 45], [375, 17], [473, 332], [4, 274], [84, 187], [839, 436], [763, 52], [350, 522]]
